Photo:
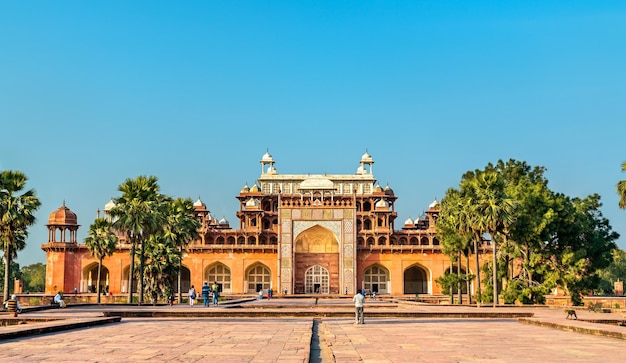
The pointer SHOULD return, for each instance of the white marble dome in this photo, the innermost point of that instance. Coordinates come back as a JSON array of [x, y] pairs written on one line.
[[110, 205]]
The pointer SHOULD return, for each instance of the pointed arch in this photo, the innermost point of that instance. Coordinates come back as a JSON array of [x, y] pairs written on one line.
[[316, 239], [185, 280], [416, 280], [219, 273], [376, 279], [89, 281], [259, 277], [125, 272]]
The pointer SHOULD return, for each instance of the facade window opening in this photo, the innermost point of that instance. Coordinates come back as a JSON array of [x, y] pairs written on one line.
[[316, 280], [259, 278], [220, 274]]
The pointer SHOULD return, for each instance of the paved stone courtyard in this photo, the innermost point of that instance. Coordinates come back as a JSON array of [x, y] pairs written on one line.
[[288, 339]]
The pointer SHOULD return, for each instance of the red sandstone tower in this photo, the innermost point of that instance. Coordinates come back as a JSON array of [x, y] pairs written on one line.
[[62, 262]]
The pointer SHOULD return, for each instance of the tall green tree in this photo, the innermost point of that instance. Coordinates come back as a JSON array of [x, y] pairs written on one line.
[[162, 260], [582, 242], [101, 242], [164, 248], [529, 229], [560, 241], [138, 216], [621, 189], [182, 228], [17, 213], [34, 277], [616, 271], [494, 213], [455, 230], [14, 270]]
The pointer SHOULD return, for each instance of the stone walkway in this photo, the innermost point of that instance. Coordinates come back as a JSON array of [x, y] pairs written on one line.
[[288, 339]]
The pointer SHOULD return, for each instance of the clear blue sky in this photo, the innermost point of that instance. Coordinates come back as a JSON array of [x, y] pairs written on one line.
[[194, 92]]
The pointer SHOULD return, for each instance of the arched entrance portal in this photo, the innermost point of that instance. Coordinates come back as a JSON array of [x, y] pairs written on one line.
[[90, 279], [316, 280], [415, 280], [316, 260], [376, 279]]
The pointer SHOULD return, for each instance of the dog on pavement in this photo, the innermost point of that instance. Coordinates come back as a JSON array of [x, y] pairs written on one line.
[[571, 314]]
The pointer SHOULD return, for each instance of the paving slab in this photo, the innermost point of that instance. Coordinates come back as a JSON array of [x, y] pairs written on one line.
[[193, 336]]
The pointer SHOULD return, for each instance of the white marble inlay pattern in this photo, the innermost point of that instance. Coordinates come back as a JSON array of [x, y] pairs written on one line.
[[348, 238], [347, 226], [285, 274], [348, 251], [286, 225], [334, 226], [347, 275]]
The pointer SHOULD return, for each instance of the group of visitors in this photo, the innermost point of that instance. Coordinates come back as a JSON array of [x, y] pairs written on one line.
[[270, 293], [209, 293]]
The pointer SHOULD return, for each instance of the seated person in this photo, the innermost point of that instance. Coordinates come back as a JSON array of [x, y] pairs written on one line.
[[12, 305], [58, 299]]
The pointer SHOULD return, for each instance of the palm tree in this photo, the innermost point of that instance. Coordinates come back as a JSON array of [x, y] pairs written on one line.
[[163, 252], [181, 228], [17, 213], [621, 189], [494, 212], [101, 242], [137, 215], [162, 265], [454, 231]]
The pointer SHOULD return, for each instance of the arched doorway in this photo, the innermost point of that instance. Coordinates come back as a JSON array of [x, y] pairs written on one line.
[[316, 280], [316, 260], [416, 280], [90, 279], [125, 272], [185, 280], [219, 273], [259, 278], [376, 279]]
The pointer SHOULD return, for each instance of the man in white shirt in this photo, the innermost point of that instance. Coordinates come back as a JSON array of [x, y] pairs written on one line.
[[359, 301], [58, 299]]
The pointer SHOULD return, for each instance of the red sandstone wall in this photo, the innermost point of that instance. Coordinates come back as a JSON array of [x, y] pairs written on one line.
[[303, 261]]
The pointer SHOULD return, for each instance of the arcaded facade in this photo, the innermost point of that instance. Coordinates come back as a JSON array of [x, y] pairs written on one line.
[[297, 234]]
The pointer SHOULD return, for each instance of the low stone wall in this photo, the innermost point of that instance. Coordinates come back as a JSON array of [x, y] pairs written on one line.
[[605, 302]]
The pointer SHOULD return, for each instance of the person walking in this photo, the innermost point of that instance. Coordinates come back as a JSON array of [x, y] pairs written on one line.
[[192, 295], [216, 292], [359, 302], [205, 294]]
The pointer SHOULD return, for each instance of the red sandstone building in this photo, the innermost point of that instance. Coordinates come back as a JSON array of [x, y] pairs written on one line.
[[297, 234]]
